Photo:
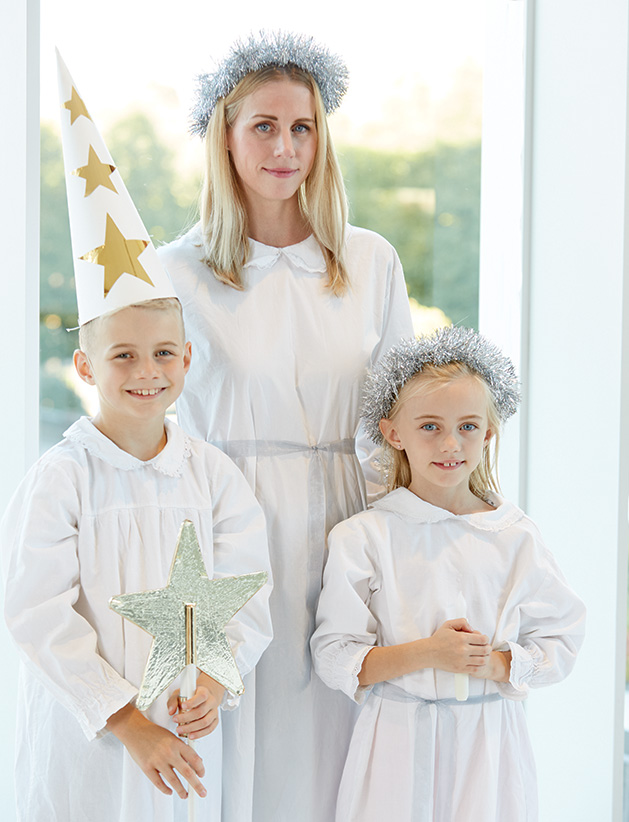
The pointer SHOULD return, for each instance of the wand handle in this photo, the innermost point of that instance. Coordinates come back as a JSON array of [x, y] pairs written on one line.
[[187, 689]]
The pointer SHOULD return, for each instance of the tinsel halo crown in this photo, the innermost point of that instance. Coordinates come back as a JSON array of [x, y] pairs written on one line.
[[453, 344], [276, 48]]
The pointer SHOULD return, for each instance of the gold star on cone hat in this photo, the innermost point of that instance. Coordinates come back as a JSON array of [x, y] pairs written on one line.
[[115, 263]]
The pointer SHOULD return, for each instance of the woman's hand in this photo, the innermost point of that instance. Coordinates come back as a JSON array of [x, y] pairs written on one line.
[[197, 716]]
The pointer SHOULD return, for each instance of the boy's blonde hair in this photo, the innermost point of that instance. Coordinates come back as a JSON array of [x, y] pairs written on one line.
[[89, 331], [396, 470], [322, 198]]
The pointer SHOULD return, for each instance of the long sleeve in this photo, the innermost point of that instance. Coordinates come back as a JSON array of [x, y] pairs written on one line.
[[42, 587], [549, 624], [346, 628]]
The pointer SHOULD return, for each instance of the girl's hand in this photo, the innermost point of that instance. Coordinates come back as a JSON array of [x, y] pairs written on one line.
[[158, 752], [457, 648], [497, 667], [198, 716]]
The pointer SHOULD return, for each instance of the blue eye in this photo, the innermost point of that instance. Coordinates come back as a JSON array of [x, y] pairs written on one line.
[[263, 127], [469, 426], [429, 426], [302, 129]]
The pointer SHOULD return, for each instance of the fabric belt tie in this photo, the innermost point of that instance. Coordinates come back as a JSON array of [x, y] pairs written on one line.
[[430, 770], [316, 536]]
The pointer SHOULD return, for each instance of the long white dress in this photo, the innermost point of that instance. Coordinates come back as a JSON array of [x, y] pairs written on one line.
[[275, 382], [89, 522], [394, 574]]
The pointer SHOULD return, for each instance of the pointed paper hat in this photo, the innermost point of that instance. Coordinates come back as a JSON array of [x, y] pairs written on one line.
[[115, 263]]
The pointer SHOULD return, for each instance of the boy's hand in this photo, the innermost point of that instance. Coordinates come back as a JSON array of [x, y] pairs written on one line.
[[158, 752], [455, 647], [198, 715]]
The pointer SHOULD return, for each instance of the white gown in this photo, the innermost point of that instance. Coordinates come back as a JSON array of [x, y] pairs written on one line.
[[394, 574], [88, 522], [275, 382]]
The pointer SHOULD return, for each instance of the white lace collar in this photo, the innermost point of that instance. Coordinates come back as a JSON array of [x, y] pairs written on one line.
[[170, 460], [410, 506]]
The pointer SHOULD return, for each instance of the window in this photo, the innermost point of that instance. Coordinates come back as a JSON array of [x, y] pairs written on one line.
[[408, 135]]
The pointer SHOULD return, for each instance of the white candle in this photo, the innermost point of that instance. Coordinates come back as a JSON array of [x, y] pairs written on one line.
[[461, 681]]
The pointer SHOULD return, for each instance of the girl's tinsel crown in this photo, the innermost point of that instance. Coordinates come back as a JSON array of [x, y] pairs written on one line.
[[275, 48], [452, 344]]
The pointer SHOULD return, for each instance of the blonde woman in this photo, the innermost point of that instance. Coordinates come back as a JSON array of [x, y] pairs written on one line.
[[286, 306]]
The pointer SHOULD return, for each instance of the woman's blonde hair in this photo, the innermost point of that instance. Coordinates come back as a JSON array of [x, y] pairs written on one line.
[[322, 198], [396, 469]]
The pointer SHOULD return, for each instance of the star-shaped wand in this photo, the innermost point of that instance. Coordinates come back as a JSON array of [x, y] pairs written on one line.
[[187, 620]]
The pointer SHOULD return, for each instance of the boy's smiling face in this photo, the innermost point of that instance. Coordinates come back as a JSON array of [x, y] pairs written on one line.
[[138, 360]]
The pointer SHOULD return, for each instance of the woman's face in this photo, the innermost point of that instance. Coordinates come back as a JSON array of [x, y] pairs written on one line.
[[273, 141]]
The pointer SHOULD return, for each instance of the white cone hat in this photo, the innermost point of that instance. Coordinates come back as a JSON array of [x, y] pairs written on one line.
[[115, 263]]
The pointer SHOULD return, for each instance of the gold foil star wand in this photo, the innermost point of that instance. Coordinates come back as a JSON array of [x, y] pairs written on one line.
[[187, 620], [201, 638]]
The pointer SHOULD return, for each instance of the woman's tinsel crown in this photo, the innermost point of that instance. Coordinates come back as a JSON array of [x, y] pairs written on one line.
[[453, 344], [275, 48]]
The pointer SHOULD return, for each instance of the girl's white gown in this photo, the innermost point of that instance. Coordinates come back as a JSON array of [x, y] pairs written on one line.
[[275, 382], [395, 574]]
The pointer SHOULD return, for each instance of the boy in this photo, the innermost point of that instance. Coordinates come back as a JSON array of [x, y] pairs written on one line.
[[98, 515]]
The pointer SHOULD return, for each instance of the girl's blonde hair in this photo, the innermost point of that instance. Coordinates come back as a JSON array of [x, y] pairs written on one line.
[[322, 199], [396, 469]]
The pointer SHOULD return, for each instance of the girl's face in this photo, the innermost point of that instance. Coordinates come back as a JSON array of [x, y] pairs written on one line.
[[273, 141], [443, 432]]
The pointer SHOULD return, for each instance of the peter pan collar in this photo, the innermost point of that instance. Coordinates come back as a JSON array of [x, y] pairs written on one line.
[[306, 256], [410, 506], [170, 460]]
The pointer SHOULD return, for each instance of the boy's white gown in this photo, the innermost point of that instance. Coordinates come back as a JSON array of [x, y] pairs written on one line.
[[394, 575], [91, 521], [275, 382]]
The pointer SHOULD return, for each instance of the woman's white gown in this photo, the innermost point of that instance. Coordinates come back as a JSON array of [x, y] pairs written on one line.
[[275, 382]]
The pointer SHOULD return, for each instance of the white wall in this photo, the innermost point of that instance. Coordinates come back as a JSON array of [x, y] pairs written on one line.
[[19, 218], [574, 345]]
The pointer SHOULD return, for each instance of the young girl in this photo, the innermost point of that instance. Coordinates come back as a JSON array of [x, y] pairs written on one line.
[[440, 587]]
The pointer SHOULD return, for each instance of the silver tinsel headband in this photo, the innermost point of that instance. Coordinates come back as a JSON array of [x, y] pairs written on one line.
[[276, 48], [452, 344]]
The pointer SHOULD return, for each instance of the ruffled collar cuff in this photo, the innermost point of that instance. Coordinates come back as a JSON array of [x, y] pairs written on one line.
[[409, 505], [306, 256], [170, 460]]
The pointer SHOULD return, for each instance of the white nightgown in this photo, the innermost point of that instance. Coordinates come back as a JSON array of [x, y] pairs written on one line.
[[275, 382], [395, 573], [89, 522]]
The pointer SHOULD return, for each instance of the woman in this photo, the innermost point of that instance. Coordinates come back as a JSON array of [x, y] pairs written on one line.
[[286, 306]]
